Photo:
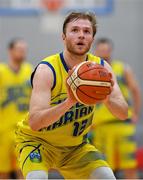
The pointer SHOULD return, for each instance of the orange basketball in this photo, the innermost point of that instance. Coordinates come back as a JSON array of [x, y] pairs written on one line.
[[90, 82]]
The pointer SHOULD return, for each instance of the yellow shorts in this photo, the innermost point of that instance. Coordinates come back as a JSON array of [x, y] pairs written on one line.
[[116, 141], [7, 152], [72, 162]]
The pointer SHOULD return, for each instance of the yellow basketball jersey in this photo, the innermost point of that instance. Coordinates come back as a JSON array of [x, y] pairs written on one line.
[[15, 91], [71, 129], [102, 114]]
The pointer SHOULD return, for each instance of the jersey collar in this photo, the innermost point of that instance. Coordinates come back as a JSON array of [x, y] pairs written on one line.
[[64, 63]]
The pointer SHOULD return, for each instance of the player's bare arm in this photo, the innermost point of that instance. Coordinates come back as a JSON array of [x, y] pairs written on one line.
[[134, 88], [41, 113], [116, 102]]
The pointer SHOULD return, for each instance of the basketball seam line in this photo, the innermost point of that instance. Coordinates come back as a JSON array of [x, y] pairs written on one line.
[[87, 79], [88, 95], [95, 83], [82, 91]]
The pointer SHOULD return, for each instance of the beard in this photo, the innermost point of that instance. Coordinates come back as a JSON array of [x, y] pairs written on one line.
[[19, 60], [77, 51]]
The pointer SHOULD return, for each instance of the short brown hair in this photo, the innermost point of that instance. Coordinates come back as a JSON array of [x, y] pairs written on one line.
[[104, 40], [81, 15], [13, 42]]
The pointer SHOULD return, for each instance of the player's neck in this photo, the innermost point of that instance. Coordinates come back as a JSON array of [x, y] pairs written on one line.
[[71, 59], [14, 65]]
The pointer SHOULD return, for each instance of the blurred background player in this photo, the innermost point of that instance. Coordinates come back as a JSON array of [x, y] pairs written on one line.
[[14, 99], [115, 138]]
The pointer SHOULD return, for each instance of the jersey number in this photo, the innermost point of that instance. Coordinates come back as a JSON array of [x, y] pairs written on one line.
[[79, 127]]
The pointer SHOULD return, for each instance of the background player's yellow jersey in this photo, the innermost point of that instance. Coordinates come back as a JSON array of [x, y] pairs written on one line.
[[72, 127], [14, 95], [102, 114]]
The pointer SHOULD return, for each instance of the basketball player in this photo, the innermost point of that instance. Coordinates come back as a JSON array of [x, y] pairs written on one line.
[[54, 133], [14, 99], [113, 137]]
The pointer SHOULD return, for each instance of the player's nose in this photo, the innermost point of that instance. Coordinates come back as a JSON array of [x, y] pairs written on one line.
[[81, 34]]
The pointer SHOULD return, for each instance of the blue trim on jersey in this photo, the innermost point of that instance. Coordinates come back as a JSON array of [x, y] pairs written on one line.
[[32, 76], [54, 73], [102, 62], [50, 66], [63, 62]]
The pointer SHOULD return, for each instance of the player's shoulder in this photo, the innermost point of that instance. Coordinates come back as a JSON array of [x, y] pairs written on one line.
[[3, 67], [92, 57], [27, 67], [118, 62], [50, 61], [52, 58]]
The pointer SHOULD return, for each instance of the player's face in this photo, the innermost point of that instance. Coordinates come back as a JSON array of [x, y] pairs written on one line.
[[19, 51], [104, 51], [78, 37]]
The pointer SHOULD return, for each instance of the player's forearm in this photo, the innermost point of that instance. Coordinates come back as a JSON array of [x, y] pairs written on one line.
[[118, 107], [46, 117]]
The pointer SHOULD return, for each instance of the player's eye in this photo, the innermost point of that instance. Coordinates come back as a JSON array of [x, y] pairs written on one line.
[[74, 30], [87, 31]]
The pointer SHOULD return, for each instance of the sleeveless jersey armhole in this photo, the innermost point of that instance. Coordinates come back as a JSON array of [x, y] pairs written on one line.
[[50, 66]]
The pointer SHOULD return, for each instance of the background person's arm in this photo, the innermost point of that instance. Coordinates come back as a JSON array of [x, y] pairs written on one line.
[[135, 91]]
